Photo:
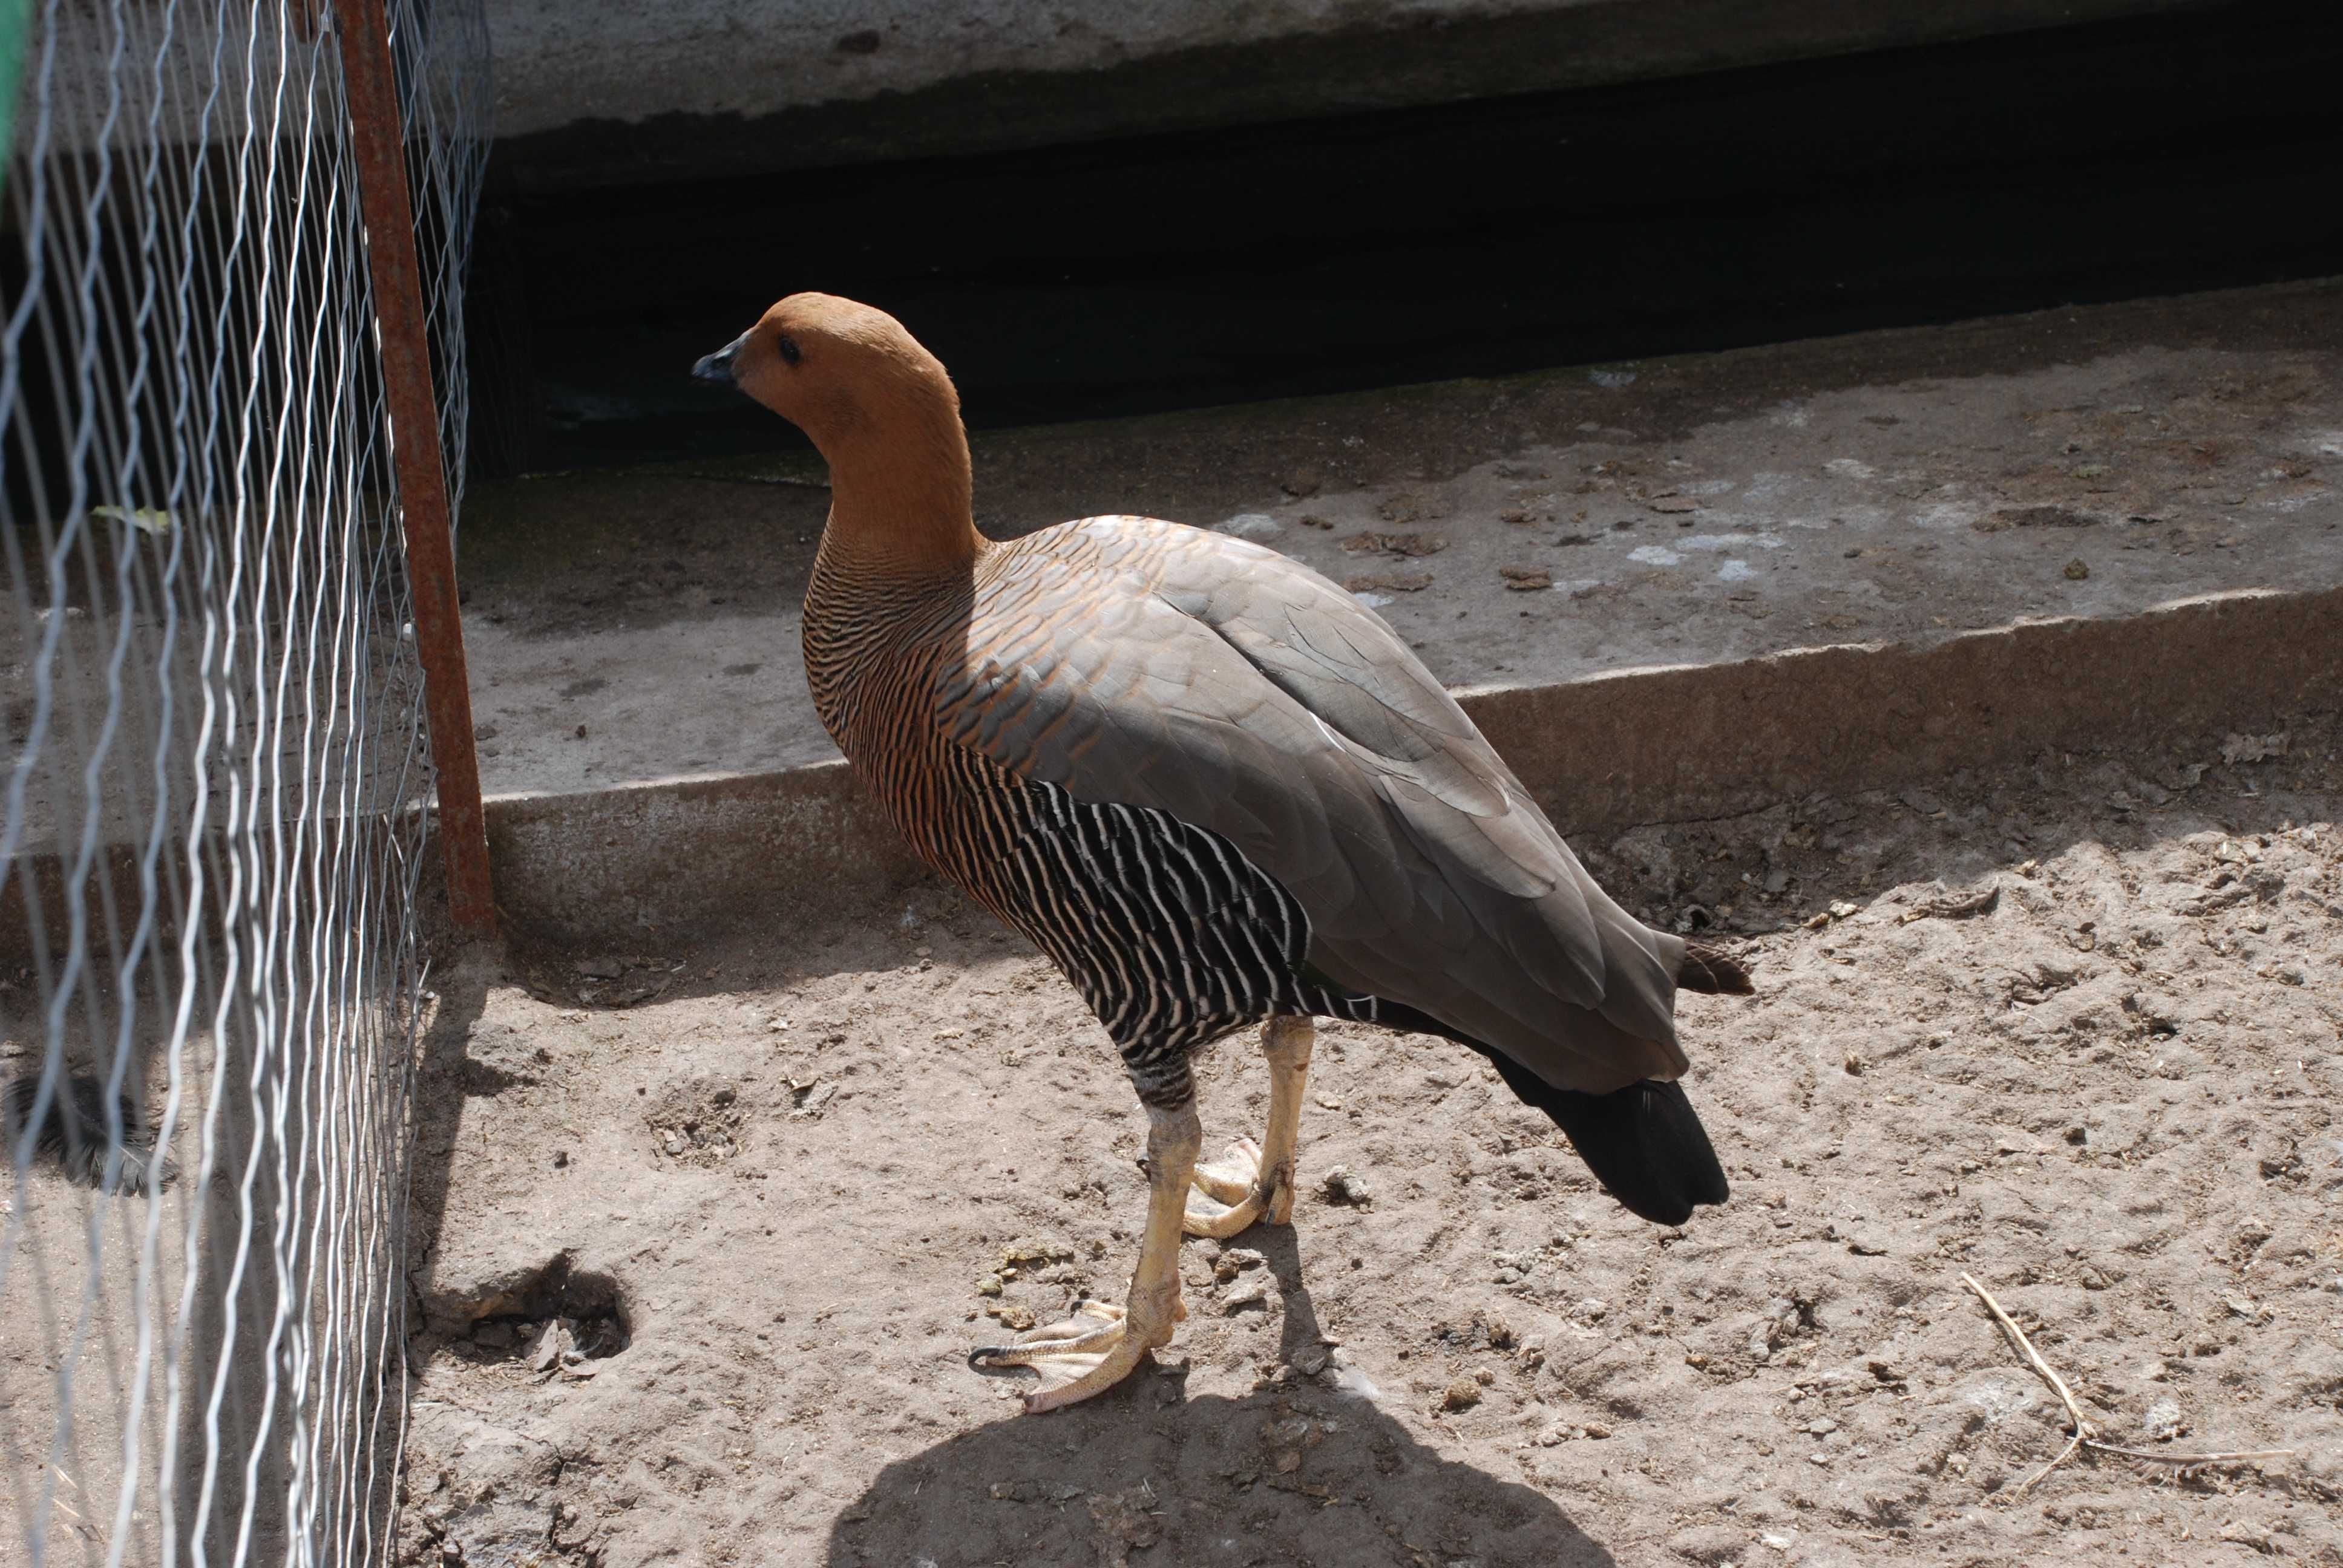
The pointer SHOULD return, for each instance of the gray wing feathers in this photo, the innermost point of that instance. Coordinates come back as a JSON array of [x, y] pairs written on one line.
[[1141, 662]]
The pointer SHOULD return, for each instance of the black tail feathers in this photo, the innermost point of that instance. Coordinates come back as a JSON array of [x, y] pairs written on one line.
[[1644, 1141], [72, 1133], [1707, 968]]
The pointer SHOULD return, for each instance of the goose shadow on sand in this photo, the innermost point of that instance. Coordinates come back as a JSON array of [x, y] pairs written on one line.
[[1300, 1472]]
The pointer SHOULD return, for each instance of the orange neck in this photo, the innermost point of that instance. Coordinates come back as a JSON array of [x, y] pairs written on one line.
[[900, 494]]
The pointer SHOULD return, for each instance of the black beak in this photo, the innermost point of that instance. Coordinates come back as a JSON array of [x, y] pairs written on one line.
[[716, 369]]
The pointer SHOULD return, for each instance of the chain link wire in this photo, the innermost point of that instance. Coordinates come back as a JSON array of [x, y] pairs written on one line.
[[213, 816]]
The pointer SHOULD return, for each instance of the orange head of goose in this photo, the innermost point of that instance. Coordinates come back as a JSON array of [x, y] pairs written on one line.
[[881, 409]]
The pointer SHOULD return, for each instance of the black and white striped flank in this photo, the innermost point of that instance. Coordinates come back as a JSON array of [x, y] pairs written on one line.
[[1173, 937]]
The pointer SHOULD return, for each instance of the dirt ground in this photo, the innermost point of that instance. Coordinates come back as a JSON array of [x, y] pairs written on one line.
[[767, 1193]]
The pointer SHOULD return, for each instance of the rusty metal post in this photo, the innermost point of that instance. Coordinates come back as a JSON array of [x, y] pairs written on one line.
[[378, 137]]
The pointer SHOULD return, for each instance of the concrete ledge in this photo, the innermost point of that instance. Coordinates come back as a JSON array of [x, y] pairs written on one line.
[[631, 866], [1674, 745], [614, 866], [649, 863], [590, 96]]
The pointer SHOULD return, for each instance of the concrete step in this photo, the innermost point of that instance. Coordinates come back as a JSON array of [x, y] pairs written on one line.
[[592, 97], [1479, 235], [1854, 564], [1891, 487]]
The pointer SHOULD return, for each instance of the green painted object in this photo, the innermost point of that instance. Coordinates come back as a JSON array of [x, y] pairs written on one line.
[[16, 20]]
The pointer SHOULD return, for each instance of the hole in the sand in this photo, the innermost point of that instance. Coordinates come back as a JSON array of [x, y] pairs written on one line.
[[559, 1322], [698, 1121]]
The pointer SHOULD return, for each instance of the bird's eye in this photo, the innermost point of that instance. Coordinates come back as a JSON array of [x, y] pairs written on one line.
[[789, 354]]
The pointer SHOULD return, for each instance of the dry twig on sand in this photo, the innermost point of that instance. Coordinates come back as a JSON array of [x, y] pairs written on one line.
[[2081, 1438]]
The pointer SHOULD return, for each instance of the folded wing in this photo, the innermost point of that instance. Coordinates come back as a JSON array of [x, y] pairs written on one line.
[[1141, 663]]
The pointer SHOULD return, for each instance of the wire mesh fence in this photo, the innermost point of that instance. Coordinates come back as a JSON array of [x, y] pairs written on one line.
[[213, 827]]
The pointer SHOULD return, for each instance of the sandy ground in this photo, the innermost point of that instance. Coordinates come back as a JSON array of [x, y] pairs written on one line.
[[769, 1188]]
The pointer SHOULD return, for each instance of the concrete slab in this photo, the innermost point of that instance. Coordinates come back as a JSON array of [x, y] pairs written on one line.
[[589, 96], [1901, 487], [1849, 564], [619, 868]]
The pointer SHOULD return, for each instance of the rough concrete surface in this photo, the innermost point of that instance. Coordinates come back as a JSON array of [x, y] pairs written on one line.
[[600, 95], [2070, 1027], [557, 63], [1894, 492], [1899, 487], [1672, 744]]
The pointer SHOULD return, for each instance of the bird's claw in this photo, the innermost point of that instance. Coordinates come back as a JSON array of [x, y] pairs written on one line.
[[1097, 1344], [1234, 1192], [1092, 1321], [1230, 1178]]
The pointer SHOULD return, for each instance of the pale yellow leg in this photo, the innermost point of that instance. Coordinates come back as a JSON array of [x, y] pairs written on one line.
[[1256, 1182], [1101, 1342]]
